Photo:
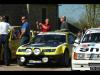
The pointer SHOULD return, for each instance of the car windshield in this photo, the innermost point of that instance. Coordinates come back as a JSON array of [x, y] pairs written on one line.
[[93, 37], [49, 38]]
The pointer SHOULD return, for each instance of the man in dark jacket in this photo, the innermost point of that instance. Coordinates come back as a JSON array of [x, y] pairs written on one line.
[[64, 24]]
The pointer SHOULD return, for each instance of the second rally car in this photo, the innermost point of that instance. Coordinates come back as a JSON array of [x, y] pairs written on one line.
[[86, 54]]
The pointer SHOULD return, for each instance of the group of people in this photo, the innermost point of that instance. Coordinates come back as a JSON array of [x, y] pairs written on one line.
[[46, 26], [25, 33], [4, 36]]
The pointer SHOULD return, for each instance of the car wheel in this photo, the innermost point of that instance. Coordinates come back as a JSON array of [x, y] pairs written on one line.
[[66, 58], [20, 63]]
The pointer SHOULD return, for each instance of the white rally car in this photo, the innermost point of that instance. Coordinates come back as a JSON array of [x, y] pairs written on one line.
[[86, 52]]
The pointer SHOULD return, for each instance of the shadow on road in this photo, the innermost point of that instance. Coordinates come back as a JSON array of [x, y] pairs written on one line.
[[46, 65], [13, 61]]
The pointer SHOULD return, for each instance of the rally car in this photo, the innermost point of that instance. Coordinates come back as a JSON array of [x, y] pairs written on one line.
[[47, 47], [86, 53]]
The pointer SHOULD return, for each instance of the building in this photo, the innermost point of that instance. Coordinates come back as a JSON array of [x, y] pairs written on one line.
[[40, 12], [33, 11], [14, 11]]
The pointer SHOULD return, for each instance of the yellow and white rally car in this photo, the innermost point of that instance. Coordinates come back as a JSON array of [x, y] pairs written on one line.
[[47, 47], [86, 53]]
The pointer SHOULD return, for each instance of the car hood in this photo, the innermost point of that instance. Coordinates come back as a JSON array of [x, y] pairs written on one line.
[[51, 44], [88, 48]]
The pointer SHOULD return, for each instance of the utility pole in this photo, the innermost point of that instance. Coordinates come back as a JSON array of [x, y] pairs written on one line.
[[27, 5]]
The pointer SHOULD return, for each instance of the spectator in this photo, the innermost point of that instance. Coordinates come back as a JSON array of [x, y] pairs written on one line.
[[4, 40], [0, 18], [59, 24], [25, 31], [46, 27], [37, 26], [7, 19], [85, 29], [79, 35], [64, 24]]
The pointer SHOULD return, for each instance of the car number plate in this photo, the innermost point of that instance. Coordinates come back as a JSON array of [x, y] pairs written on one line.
[[94, 68], [35, 61]]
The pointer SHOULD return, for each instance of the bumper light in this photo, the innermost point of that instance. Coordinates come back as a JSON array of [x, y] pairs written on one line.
[[45, 59], [22, 59]]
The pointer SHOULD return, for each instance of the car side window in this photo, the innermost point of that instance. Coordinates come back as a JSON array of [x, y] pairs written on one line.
[[71, 39]]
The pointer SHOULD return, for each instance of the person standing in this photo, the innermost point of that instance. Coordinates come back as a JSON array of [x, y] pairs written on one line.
[[46, 27], [37, 26], [59, 24], [25, 31], [79, 35], [64, 24], [4, 40], [84, 29]]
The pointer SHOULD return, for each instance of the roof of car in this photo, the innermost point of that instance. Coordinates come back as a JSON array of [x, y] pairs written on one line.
[[55, 33], [93, 30]]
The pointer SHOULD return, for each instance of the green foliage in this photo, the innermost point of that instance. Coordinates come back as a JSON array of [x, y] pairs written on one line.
[[93, 14], [91, 18]]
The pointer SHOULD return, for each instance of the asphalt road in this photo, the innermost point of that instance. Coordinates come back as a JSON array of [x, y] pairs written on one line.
[[15, 67]]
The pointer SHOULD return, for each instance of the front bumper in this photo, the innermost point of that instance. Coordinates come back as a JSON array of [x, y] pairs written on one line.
[[39, 58], [85, 65]]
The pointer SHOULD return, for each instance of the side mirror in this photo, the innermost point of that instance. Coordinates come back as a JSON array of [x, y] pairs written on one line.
[[77, 41]]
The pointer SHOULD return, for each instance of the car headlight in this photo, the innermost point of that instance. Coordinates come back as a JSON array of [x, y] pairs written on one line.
[[79, 56], [37, 51], [28, 51]]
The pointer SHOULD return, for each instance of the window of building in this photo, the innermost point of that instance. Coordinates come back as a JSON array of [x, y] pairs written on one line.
[[43, 14]]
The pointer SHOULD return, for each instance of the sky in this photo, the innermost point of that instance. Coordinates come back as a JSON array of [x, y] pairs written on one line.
[[73, 11]]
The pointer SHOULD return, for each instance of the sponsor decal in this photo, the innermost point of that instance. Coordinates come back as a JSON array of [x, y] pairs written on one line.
[[91, 44], [87, 49], [85, 46]]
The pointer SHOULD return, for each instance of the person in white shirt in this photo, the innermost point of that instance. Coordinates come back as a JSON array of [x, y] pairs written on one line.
[[4, 40]]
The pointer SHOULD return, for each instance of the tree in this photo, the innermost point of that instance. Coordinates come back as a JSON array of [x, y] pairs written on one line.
[[92, 12]]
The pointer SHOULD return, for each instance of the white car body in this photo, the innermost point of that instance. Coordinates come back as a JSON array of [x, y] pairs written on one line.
[[86, 55]]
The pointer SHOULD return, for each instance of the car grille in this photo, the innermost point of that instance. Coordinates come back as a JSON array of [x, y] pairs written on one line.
[[93, 56], [22, 50], [94, 64], [48, 50]]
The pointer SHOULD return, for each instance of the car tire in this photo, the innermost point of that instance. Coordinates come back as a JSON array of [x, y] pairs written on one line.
[[20, 63], [66, 58]]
